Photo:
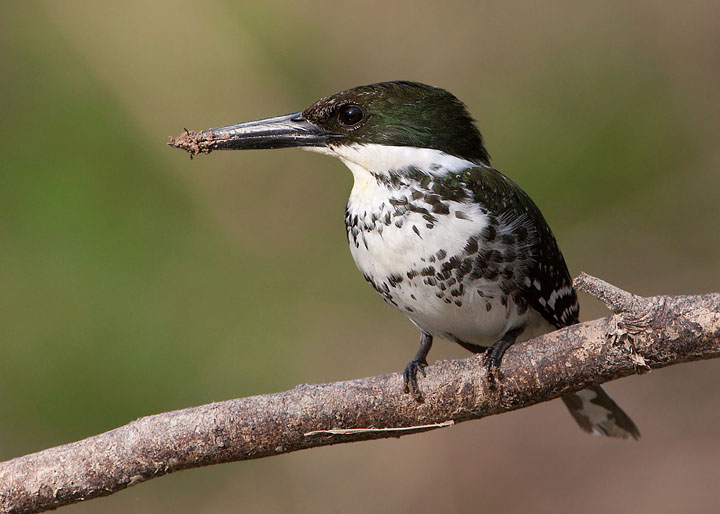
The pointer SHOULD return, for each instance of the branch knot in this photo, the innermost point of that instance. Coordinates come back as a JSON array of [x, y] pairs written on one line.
[[631, 316]]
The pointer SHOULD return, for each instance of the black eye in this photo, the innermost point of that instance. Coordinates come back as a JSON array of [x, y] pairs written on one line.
[[350, 115]]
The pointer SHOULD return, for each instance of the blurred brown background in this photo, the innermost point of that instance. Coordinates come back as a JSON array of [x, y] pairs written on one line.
[[135, 281]]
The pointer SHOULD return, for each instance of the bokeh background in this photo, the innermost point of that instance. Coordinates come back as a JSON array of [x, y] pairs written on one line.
[[135, 281]]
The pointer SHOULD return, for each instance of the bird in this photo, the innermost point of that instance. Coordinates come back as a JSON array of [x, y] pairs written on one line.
[[441, 235]]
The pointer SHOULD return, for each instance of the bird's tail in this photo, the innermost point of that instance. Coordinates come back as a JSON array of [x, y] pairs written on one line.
[[597, 413]]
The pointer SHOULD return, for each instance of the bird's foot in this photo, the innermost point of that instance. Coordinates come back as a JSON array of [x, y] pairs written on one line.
[[492, 359], [493, 355], [410, 375]]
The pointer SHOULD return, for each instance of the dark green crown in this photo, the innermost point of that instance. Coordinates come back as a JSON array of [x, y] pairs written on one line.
[[400, 113]]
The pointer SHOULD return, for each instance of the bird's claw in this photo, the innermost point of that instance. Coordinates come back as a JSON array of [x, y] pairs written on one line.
[[410, 376], [491, 360]]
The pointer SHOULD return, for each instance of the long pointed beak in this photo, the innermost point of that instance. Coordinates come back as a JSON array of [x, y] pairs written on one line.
[[289, 130]]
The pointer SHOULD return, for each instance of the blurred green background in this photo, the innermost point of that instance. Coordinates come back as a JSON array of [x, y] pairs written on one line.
[[135, 281]]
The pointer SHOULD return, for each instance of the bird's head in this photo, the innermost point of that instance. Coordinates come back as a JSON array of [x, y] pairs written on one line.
[[391, 114]]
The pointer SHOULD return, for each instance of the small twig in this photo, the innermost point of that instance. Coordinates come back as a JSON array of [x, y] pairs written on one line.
[[617, 300], [346, 431], [631, 315]]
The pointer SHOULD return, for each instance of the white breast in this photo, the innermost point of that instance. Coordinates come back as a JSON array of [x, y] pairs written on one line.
[[386, 251]]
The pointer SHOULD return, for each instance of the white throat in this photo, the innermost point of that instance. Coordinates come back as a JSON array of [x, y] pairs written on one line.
[[382, 159]]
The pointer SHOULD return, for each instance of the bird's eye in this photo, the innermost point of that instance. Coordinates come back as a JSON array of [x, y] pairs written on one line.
[[350, 115]]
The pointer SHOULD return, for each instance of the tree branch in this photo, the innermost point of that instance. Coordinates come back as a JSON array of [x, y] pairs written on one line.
[[642, 333]]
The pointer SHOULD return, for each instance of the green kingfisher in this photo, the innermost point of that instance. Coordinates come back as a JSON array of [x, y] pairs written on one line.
[[442, 236]]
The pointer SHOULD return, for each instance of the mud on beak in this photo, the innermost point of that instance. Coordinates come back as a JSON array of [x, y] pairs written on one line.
[[286, 131]]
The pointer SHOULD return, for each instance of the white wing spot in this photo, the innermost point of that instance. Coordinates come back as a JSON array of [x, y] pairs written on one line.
[[558, 293]]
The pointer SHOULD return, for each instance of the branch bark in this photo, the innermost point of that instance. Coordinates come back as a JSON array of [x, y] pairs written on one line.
[[642, 333]]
